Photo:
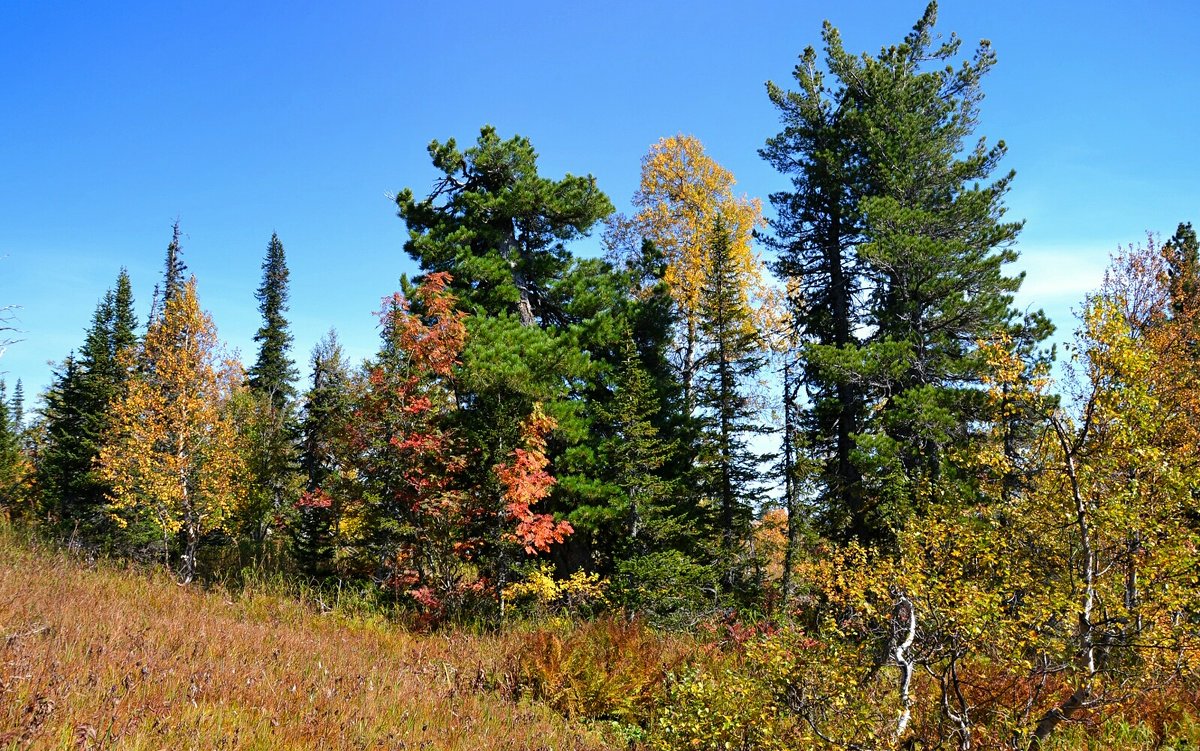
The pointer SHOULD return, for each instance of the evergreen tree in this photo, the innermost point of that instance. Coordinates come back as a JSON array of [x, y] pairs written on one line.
[[895, 224], [650, 516], [815, 235], [267, 423], [274, 372], [501, 229], [732, 355], [326, 408], [12, 464], [18, 407], [174, 270], [1182, 253], [77, 416], [499, 226]]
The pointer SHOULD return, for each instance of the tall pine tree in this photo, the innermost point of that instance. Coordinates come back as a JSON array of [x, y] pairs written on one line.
[[502, 229], [897, 241]]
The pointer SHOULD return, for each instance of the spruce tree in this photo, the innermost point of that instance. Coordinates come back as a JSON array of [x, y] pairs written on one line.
[[18, 407], [11, 459], [274, 372], [77, 415], [326, 408], [268, 423], [651, 517], [174, 271], [732, 355]]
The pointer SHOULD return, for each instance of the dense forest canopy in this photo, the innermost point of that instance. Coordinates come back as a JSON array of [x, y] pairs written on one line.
[[819, 416]]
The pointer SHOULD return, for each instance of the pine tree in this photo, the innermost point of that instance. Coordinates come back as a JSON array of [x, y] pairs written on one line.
[[1182, 253], [898, 242], [502, 229], [274, 372], [732, 355], [815, 234], [499, 226]]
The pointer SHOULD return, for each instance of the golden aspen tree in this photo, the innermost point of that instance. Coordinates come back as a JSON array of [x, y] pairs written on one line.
[[683, 191], [173, 451]]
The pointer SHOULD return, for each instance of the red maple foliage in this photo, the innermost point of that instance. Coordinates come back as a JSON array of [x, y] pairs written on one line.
[[526, 481]]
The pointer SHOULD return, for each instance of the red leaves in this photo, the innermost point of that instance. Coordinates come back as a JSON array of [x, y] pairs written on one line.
[[526, 482], [316, 498], [433, 341]]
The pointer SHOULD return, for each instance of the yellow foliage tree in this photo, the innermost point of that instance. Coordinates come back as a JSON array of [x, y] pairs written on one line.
[[173, 450], [682, 194]]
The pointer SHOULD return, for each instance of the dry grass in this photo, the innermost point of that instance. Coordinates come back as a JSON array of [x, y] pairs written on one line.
[[105, 658]]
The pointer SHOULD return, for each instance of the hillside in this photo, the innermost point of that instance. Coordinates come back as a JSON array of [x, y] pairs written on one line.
[[94, 657]]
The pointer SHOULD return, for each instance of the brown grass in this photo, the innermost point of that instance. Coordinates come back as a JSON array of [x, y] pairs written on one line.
[[107, 658]]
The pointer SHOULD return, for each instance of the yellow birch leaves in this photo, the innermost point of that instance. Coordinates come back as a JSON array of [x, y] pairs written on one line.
[[173, 448], [682, 193]]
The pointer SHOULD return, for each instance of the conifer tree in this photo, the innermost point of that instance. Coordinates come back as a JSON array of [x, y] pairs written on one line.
[[815, 234], [681, 193], [1182, 253], [267, 410], [323, 422], [274, 372], [649, 516], [18, 407], [12, 463], [175, 268], [898, 239], [502, 229], [77, 416], [498, 225], [732, 354]]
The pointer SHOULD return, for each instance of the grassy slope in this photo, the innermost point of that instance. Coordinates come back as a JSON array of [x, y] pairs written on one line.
[[102, 658]]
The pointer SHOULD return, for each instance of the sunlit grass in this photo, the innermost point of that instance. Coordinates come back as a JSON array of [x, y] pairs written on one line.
[[102, 657]]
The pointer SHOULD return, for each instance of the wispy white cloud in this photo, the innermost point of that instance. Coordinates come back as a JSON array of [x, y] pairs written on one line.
[[1057, 276]]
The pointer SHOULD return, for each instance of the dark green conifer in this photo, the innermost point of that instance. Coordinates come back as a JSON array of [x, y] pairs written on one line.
[[18, 407], [274, 372], [76, 415], [732, 356], [11, 459], [897, 237], [326, 408]]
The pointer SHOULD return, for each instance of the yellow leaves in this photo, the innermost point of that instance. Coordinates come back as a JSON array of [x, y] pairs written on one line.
[[682, 193], [545, 592], [173, 447]]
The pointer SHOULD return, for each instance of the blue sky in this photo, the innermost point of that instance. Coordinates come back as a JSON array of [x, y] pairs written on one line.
[[301, 118]]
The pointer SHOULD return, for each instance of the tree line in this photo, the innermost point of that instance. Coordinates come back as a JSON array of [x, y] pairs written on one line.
[[531, 415]]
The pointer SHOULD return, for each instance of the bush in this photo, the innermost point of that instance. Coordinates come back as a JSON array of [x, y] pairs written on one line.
[[668, 588], [607, 669]]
